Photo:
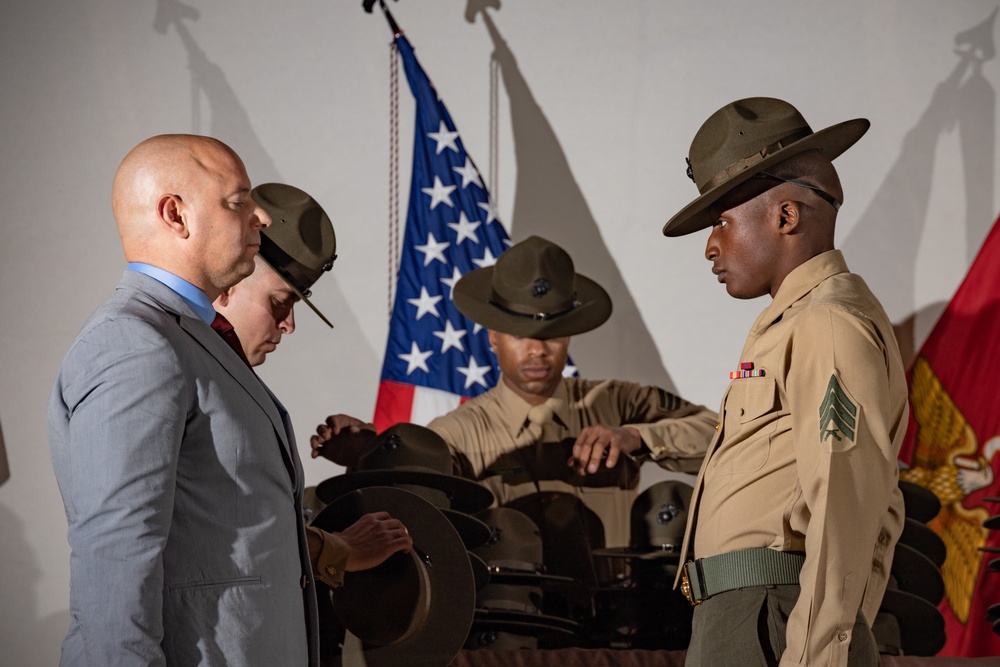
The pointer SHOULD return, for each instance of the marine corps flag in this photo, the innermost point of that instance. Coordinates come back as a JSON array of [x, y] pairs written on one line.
[[435, 357], [951, 448]]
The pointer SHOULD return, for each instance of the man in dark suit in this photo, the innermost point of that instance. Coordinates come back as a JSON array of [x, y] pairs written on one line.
[[177, 466]]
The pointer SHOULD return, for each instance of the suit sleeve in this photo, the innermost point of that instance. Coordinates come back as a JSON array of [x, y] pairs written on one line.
[[839, 396], [124, 400], [676, 432]]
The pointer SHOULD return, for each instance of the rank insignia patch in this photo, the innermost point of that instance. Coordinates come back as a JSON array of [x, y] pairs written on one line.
[[838, 417]]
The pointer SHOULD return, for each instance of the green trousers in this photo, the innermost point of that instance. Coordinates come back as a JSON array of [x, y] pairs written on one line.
[[746, 628]]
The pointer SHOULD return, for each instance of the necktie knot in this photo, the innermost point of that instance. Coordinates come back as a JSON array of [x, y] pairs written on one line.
[[540, 414]]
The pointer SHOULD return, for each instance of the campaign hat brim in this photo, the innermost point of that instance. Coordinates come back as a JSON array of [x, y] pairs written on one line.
[[465, 495], [450, 605]]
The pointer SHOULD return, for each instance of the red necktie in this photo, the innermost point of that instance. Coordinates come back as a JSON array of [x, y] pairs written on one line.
[[225, 329]]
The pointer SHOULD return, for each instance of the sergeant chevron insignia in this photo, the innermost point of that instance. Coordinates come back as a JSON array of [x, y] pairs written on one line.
[[838, 417]]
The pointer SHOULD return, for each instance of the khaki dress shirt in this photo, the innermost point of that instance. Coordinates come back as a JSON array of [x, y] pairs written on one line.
[[482, 431], [806, 457], [328, 554]]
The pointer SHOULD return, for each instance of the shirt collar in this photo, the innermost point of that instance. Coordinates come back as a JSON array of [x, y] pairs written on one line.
[[192, 295], [514, 409], [799, 282]]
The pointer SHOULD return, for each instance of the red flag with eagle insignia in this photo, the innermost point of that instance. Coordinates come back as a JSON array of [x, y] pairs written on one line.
[[952, 444]]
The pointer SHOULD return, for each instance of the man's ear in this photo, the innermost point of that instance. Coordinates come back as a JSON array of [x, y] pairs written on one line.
[[223, 299], [789, 216], [170, 211]]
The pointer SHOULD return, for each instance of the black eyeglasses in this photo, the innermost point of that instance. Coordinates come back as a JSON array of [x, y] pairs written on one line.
[[822, 194]]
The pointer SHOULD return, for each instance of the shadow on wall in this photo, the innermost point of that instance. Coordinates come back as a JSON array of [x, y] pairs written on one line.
[[548, 203], [228, 121], [20, 575], [883, 245]]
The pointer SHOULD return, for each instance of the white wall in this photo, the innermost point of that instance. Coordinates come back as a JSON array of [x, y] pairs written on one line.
[[598, 103]]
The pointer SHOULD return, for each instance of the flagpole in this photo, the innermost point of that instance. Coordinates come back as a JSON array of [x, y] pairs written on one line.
[[368, 4]]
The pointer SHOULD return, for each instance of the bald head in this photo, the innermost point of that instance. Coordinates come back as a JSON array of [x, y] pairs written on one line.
[[168, 163], [182, 203]]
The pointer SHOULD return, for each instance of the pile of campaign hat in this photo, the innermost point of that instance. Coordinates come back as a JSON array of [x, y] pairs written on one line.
[[993, 566], [641, 609], [511, 609], [416, 608], [908, 621]]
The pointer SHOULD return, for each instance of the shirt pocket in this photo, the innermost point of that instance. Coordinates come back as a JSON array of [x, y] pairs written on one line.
[[751, 417]]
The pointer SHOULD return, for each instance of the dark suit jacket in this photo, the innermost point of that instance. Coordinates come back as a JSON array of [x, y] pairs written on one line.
[[183, 491]]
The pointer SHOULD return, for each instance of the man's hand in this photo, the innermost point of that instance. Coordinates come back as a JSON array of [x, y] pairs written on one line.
[[342, 439], [594, 442], [373, 538]]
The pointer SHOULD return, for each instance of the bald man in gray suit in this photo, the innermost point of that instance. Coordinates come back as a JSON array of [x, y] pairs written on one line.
[[177, 466]]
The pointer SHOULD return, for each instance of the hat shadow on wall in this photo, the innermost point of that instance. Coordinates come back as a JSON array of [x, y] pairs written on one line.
[[229, 122], [548, 202], [884, 244]]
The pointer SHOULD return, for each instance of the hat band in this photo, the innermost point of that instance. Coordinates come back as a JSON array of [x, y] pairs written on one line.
[[747, 162], [498, 301]]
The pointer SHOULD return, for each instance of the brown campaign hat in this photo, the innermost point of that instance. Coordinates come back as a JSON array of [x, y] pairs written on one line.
[[299, 243], [917, 574], [415, 608], [658, 519], [922, 538], [533, 291], [744, 138], [416, 458], [919, 502], [919, 624]]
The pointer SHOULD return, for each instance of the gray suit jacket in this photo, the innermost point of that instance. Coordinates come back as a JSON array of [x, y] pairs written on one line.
[[183, 490]]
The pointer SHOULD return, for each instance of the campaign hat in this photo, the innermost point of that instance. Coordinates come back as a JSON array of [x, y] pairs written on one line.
[[533, 291], [299, 244], [416, 608], [657, 522], [415, 457], [743, 139]]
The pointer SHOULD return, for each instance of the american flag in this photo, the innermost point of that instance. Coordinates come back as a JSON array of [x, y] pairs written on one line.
[[435, 357]]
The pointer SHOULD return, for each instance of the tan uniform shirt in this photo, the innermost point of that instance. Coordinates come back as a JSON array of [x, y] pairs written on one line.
[[482, 430], [806, 456], [328, 554]]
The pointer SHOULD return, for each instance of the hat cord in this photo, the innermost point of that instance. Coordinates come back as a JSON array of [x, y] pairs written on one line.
[[510, 308]]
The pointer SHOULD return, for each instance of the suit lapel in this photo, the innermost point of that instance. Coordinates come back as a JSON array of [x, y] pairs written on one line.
[[213, 343]]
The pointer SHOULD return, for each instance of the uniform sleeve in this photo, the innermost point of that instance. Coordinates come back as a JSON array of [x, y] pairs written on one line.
[[676, 432], [328, 554], [117, 419], [455, 431], [839, 397]]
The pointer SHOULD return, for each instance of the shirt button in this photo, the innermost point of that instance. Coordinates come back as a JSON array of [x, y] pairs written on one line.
[[741, 412], [843, 636], [331, 570]]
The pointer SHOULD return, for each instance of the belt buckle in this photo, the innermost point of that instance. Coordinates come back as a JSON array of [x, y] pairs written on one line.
[[686, 585]]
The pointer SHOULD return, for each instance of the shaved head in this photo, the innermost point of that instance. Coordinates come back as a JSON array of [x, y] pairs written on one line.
[[182, 203], [168, 163]]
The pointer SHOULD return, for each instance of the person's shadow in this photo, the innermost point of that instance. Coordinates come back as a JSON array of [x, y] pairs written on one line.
[[20, 577], [229, 122], [884, 243], [548, 203]]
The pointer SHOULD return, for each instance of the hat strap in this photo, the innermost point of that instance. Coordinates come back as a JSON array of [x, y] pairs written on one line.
[[747, 162], [498, 301]]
